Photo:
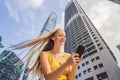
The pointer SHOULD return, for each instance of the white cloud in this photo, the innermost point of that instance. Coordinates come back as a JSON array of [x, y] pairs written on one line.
[[35, 3], [32, 31], [23, 9], [12, 12], [29, 32], [63, 3], [28, 4]]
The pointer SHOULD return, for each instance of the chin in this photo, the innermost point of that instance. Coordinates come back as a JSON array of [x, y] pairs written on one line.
[[62, 44]]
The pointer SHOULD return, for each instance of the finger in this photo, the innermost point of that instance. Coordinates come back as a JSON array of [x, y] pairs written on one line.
[[76, 58], [77, 61], [76, 55], [81, 57]]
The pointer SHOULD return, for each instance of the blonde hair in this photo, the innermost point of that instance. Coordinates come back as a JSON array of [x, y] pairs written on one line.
[[42, 43]]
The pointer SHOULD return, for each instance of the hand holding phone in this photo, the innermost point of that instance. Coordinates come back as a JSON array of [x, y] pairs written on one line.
[[80, 50]]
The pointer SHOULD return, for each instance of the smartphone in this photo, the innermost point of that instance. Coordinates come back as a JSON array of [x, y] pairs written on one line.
[[80, 50]]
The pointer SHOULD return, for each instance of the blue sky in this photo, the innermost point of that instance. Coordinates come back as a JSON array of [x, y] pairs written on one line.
[[22, 20]]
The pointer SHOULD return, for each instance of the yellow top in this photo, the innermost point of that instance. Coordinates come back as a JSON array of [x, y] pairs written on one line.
[[54, 64]]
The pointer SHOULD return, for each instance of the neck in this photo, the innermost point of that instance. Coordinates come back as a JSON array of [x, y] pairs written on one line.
[[56, 49]]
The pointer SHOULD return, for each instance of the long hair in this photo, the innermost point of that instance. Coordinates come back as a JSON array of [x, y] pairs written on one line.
[[42, 43]]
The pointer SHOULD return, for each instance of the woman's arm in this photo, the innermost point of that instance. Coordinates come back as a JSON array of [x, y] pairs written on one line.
[[72, 70], [71, 73], [48, 74]]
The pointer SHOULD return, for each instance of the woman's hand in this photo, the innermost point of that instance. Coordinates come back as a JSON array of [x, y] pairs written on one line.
[[77, 64], [73, 60]]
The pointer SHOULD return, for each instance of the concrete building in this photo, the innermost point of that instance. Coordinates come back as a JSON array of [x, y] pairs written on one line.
[[99, 63], [118, 46], [116, 1]]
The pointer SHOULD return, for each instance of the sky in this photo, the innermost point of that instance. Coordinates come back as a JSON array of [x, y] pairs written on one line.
[[22, 20]]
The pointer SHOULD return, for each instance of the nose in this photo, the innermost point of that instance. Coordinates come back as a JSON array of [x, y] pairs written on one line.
[[64, 38]]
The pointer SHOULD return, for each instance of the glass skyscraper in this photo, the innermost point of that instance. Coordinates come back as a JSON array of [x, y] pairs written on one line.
[[10, 66], [1, 46], [49, 24], [98, 62]]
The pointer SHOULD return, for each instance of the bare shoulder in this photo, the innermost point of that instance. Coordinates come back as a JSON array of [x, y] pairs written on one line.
[[44, 53]]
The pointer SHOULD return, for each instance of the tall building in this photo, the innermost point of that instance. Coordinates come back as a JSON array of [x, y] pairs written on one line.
[[49, 24], [98, 62], [10, 66], [118, 46], [116, 1], [1, 46]]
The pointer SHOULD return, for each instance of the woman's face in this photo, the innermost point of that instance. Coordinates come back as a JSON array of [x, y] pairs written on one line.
[[59, 37]]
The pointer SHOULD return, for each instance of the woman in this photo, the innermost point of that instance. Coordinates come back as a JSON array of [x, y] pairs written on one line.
[[52, 62]]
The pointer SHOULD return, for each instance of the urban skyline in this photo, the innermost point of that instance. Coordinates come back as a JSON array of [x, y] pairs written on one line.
[[15, 25], [11, 66]]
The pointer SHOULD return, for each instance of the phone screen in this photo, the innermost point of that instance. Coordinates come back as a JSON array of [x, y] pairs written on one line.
[[80, 50]]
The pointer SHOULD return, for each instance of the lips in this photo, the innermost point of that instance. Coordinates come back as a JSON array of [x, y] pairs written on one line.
[[62, 41]]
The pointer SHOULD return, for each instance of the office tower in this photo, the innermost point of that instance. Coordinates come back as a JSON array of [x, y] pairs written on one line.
[[98, 62], [118, 46], [10, 66], [49, 24], [1, 46], [116, 1]]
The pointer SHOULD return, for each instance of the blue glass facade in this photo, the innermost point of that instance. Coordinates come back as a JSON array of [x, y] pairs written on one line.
[[1, 46], [49, 24], [10, 66]]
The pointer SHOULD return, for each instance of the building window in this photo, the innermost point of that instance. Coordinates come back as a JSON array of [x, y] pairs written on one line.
[[93, 52], [96, 41], [102, 76], [89, 70], [95, 37], [95, 67], [90, 78], [91, 32], [91, 48], [87, 62], [98, 44], [84, 71], [79, 74], [78, 67], [97, 58], [76, 76], [83, 64], [101, 48], [89, 44], [92, 59], [85, 56], [100, 65]]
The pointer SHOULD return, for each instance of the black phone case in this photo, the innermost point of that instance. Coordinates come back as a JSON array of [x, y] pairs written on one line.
[[80, 50]]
